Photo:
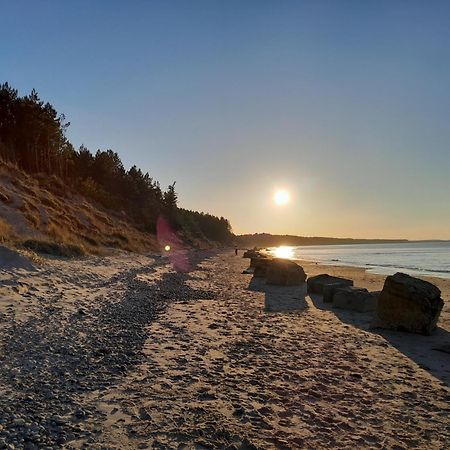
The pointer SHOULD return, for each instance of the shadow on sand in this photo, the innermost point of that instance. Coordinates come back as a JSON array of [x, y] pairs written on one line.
[[280, 298], [428, 352]]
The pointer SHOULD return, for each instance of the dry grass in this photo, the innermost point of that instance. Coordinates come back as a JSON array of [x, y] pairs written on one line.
[[6, 231], [4, 198], [54, 248], [50, 202], [61, 222]]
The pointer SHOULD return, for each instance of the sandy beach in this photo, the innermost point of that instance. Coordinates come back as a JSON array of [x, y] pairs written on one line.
[[121, 352], [146, 147]]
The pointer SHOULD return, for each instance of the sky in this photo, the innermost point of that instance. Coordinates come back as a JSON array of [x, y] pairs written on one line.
[[345, 104]]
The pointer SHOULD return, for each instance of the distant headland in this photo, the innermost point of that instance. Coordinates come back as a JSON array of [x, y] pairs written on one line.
[[275, 240]]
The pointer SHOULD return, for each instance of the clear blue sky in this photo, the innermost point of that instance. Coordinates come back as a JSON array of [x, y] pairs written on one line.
[[346, 104]]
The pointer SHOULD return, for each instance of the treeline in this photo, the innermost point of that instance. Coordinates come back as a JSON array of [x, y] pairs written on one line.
[[201, 225], [276, 240], [33, 136]]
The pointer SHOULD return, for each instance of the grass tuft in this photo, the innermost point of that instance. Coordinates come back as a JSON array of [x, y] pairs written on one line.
[[54, 248]]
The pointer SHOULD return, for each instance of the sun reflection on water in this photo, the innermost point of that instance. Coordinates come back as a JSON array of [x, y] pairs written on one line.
[[284, 251]]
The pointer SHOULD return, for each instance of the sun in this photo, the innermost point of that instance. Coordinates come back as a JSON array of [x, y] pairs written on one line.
[[281, 197]]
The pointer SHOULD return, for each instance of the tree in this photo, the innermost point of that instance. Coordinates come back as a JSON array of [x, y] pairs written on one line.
[[33, 136], [171, 197]]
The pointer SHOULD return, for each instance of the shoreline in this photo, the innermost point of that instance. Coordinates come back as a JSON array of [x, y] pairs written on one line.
[[369, 280], [417, 259], [372, 269]]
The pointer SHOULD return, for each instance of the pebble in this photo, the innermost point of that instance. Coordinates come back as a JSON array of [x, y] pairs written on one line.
[[54, 356], [19, 422]]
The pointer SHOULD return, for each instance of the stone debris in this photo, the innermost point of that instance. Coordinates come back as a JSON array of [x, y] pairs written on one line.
[[319, 283], [355, 299], [285, 273], [260, 266], [408, 304], [150, 358], [50, 361]]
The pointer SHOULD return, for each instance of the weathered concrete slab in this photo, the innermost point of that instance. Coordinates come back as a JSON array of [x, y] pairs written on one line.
[[355, 299], [317, 283], [408, 304]]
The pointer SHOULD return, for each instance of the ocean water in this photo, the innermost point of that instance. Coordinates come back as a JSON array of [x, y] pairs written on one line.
[[428, 258]]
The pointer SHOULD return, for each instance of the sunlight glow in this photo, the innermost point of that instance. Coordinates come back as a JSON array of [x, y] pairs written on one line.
[[167, 248], [285, 252], [281, 197]]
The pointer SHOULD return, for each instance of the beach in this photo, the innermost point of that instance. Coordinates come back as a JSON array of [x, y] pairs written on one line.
[[122, 352]]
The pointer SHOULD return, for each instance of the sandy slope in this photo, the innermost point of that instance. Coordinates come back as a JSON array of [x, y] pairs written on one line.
[[43, 208], [216, 370]]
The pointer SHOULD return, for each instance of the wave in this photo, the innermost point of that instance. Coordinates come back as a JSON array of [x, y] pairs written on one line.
[[431, 260], [399, 266]]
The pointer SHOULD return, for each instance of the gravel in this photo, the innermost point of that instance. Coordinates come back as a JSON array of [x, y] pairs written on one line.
[[50, 361]]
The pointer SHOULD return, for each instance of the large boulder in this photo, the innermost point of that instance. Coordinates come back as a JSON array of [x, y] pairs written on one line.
[[317, 284], [251, 254], [255, 260], [328, 290], [355, 299], [408, 304], [260, 266], [285, 272]]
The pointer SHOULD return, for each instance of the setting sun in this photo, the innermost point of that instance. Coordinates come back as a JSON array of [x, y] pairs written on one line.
[[281, 197]]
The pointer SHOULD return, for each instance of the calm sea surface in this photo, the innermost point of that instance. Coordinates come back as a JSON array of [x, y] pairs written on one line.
[[431, 258]]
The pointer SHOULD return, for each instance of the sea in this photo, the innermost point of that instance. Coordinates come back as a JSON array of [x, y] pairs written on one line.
[[424, 258]]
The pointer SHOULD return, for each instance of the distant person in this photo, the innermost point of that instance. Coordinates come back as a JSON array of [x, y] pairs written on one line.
[[235, 251]]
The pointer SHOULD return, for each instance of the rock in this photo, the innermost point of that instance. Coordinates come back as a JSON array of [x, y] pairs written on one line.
[[19, 422], [254, 259], [285, 273], [143, 414], [408, 304], [61, 440], [317, 283], [251, 254], [355, 299], [80, 413], [260, 266], [356, 375], [30, 446], [329, 290], [59, 420]]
